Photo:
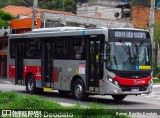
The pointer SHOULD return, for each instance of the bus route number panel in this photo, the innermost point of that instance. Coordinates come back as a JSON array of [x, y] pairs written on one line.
[[128, 34]]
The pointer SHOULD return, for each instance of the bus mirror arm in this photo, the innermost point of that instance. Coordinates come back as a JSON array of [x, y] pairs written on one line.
[[107, 58], [108, 49]]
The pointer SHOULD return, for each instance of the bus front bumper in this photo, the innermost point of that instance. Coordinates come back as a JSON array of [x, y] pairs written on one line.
[[111, 89]]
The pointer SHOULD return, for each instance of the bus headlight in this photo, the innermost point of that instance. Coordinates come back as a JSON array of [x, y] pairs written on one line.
[[113, 81], [110, 79]]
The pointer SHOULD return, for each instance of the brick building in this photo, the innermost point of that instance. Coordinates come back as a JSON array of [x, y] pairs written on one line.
[[140, 19], [140, 16]]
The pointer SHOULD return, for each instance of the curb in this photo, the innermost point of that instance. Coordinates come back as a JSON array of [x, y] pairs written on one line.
[[5, 82]]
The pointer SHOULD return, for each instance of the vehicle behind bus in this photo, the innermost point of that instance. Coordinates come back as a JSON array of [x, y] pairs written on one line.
[[82, 61]]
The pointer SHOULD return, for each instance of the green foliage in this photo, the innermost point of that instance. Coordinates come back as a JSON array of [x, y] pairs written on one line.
[[66, 5], [3, 3], [157, 69], [10, 100], [157, 33], [70, 6], [63, 5], [145, 3], [156, 80], [4, 24], [5, 18]]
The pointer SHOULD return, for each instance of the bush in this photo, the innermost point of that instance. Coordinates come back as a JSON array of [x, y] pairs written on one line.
[[156, 72]]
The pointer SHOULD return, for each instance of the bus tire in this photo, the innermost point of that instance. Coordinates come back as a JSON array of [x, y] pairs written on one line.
[[78, 90], [39, 90], [31, 84], [63, 92], [118, 97]]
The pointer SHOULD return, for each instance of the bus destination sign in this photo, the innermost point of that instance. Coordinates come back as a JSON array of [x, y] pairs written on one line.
[[128, 34]]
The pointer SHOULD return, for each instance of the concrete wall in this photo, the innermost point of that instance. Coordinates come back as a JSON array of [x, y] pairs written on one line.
[[4, 32], [105, 2], [79, 20], [99, 12]]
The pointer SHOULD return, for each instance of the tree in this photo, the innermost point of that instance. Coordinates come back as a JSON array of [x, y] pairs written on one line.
[[5, 18], [66, 5], [157, 32], [70, 6], [145, 3], [157, 42], [63, 5], [3, 3]]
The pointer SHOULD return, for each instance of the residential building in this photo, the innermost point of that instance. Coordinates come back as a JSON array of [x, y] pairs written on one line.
[[107, 9], [52, 18]]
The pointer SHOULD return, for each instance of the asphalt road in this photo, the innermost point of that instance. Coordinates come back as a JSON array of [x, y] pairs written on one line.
[[151, 101]]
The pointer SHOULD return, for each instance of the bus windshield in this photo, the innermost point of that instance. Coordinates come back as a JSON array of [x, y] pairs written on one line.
[[129, 56]]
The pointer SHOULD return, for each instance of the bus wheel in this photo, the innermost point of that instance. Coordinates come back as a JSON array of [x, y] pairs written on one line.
[[118, 97], [63, 92], [31, 85], [78, 90]]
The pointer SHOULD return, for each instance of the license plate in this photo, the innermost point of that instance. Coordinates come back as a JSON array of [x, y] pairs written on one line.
[[135, 90]]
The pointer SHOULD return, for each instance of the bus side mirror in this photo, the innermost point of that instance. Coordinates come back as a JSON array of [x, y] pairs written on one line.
[[108, 50]]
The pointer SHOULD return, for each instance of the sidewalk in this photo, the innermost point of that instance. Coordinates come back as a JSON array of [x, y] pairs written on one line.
[[4, 81]]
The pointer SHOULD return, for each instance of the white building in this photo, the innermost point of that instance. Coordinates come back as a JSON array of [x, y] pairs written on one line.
[[107, 9]]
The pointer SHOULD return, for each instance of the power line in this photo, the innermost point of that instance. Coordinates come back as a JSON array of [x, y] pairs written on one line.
[[25, 3]]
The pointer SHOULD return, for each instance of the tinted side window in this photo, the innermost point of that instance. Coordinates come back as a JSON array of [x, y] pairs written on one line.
[[12, 48], [32, 49], [61, 48], [77, 48]]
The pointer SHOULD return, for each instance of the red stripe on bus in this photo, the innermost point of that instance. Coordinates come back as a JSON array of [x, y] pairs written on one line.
[[35, 70], [11, 71], [134, 82]]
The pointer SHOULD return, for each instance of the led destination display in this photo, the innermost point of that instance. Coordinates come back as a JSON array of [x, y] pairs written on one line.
[[128, 34]]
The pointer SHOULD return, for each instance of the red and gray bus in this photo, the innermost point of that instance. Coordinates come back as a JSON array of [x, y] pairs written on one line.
[[82, 61]]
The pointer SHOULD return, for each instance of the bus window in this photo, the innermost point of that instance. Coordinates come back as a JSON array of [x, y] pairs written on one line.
[[77, 48], [32, 49], [61, 49], [12, 48]]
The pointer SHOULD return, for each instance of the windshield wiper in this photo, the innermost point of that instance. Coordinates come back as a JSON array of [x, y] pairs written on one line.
[[141, 44]]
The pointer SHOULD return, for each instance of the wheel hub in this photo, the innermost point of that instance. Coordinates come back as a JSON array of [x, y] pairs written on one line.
[[30, 84], [78, 90]]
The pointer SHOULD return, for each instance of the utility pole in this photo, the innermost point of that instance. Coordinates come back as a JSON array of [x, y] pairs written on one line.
[[63, 5], [151, 27], [151, 22], [34, 22]]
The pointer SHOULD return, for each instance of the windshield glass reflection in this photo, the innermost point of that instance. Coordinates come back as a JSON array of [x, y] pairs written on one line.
[[129, 55]]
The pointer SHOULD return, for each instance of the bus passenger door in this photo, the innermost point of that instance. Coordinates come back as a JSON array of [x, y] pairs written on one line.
[[19, 63], [47, 64], [95, 63]]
